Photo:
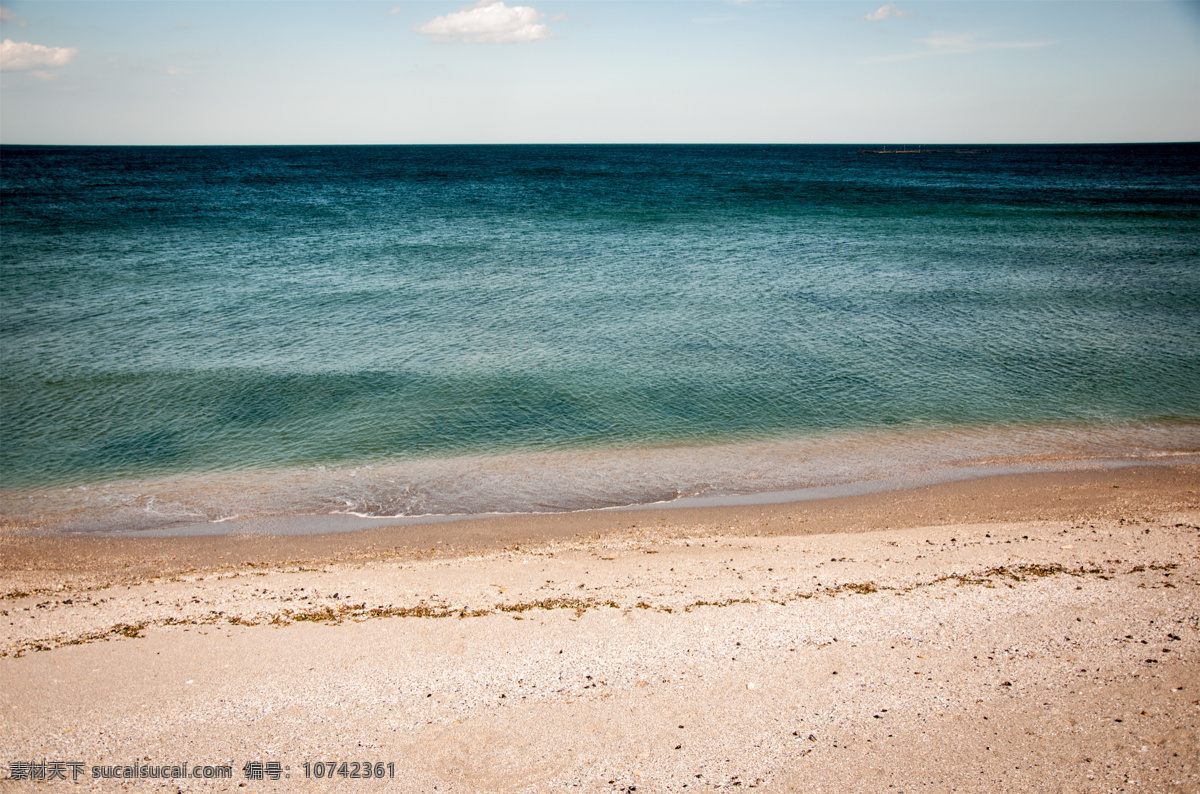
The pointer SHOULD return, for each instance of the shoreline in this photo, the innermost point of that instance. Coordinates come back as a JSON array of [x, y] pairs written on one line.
[[337, 523], [322, 500], [1022, 632], [1027, 496]]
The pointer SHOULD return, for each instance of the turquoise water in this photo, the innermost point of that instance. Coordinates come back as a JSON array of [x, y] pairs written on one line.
[[263, 312]]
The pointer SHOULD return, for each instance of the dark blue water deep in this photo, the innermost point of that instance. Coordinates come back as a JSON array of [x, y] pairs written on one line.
[[196, 309]]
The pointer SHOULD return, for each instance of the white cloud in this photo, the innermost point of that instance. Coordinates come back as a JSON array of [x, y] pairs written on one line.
[[886, 11], [8, 16], [394, 11], [958, 44], [21, 55], [178, 70], [487, 21]]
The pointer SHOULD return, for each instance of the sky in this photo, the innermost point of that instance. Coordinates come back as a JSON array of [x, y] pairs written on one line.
[[549, 71]]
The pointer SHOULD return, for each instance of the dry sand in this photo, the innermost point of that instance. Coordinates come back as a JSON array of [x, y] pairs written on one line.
[[1023, 633]]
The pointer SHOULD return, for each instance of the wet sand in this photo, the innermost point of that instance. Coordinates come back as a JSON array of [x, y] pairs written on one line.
[[1029, 633]]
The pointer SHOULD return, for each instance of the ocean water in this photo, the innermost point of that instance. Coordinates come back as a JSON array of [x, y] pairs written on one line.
[[194, 333]]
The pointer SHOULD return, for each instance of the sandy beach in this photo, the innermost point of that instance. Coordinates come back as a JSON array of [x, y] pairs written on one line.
[[1032, 632]]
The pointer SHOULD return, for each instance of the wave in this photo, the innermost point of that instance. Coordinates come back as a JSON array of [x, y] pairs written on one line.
[[572, 480]]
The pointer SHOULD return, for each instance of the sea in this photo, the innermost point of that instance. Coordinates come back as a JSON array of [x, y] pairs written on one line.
[[197, 336]]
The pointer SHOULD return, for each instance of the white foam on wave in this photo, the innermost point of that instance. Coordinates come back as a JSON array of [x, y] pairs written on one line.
[[572, 480]]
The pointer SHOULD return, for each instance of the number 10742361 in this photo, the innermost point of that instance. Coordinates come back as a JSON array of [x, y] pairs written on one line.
[[349, 769]]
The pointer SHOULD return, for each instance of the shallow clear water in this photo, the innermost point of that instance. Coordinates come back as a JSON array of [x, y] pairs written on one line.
[[265, 311]]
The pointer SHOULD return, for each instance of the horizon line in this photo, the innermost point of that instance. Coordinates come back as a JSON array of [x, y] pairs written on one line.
[[597, 143]]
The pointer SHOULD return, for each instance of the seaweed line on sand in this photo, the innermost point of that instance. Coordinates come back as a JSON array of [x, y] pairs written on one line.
[[361, 612]]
